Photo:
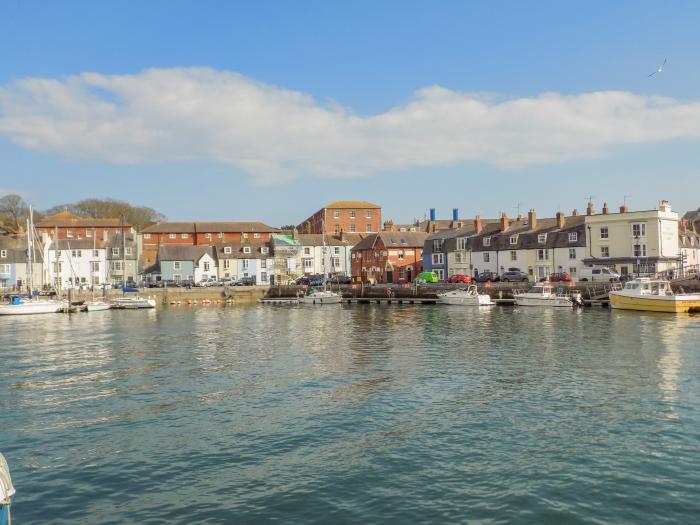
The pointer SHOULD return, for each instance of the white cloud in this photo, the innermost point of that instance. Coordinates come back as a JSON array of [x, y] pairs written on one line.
[[166, 115]]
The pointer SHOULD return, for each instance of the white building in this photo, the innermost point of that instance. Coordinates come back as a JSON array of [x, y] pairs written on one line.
[[75, 264], [334, 260]]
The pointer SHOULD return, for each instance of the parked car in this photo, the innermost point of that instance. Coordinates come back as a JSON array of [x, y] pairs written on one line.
[[302, 281], [169, 283], [486, 276], [427, 277], [228, 281], [245, 281], [559, 277], [598, 273], [317, 280], [209, 281], [341, 279], [514, 275], [458, 278]]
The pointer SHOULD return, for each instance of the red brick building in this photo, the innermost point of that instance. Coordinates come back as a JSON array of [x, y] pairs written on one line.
[[388, 257], [66, 226], [344, 216], [201, 234]]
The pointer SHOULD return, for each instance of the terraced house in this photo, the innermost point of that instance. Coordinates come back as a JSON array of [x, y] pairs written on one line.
[[243, 259], [344, 216], [388, 257]]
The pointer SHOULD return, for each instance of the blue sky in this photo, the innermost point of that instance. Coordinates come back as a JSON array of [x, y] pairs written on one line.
[[370, 59]]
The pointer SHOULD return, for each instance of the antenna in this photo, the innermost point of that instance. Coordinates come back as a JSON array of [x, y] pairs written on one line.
[[517, 208], [591, 197], [624, 199]]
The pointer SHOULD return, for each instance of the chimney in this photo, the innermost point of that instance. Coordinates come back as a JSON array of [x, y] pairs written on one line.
[[664, 205], [504, 221], [477, 225], [560, 220], [532, 219], [388, 225], [432, 214], [455, 214], [624, 208], [574, 213], [605, 208], [589, 209], [295, 234]]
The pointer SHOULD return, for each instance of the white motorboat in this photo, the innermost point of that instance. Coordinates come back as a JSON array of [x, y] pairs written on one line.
[[133, 303], [466, 297], [543, 294], [97, 306], [21, 306], [653, 295], [321, 297]]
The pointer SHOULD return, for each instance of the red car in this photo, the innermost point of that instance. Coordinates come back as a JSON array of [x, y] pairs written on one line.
[[557, 277], [458, 278]]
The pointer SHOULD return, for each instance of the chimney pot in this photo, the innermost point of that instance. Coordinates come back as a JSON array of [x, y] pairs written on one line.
[[532, 219], [605, 208], [624, 209], [477, 224], [589, 209], [560, 220], [504, 222]]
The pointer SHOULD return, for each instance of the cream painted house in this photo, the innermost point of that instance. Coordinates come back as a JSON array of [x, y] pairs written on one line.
[[633, 241]]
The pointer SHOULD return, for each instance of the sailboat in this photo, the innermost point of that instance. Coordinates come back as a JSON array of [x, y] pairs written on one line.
[[20, 305], [135, 301], [324, 296], [95, 305]]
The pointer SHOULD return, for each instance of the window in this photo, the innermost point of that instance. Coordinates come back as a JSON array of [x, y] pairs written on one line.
[[459, 257], [245, 235], [76, 254], [639, 229], [513, 255], [88, 234], [336, 250], [572, 270], [572, 253], [336, 214], [207, 236], [4, 268], [206, 266], [173, 235], [368, 229], [95, 253], [146, 235], [115, 252], [59, 267], [487, 241], [437, 245], [487, 257], [264, 249], [542, 238], [352, 228], [308, 263], [440, 273], [246, 262], [352, 214], [69, 233], [400, 255], [263, 263], [246, 249], [605, 251], [256, 236], [94, 267], [221, 235], [514, 239], [336, 229], [462, 243], [227, 264], [263, 277], [368, 214], [177, 265], [307, 251], [58, 254], [184, 235], [335, 261], [117, 266], [604, 233], [542, 255], [573, 236], [437, 258], [640, 250], [227, 249], [177, 277], [127, 251], [3, 253]]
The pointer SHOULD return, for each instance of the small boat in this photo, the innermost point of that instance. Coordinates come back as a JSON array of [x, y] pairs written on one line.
[[7, 490], [133, 303], [466, 297], [543, 294], [97, 306], [321, 297], [21, 306], [653, 295]]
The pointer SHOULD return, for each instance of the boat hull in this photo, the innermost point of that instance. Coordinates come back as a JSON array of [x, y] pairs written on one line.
[[321, 298], [133, 304], [98, 307], [465, 300], [29, 308], [669, 304], [555, 302]]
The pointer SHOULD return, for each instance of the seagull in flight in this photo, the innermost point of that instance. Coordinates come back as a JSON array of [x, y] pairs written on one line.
[[659, 69]]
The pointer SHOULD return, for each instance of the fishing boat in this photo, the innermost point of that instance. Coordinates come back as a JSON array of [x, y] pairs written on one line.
[[466, 297], [19, 305], [653, 295], [324, 296], [543, 294]]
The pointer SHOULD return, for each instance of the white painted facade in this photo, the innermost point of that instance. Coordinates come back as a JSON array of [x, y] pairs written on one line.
[[68, 268], [337, 259], [205, 268]]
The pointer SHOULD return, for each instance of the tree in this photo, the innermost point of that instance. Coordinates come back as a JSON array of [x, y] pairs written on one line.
[[137, 216], [13, 211]]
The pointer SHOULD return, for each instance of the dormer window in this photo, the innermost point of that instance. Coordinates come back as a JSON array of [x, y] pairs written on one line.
[[185, 235], [256, 235], [487, 241], [437, 245], [69, 234], [227, 249], [264, 249], [207, 236], [573, 236], [88, 234], [246, 249], [514, 239], [3, 253], [542, 238]]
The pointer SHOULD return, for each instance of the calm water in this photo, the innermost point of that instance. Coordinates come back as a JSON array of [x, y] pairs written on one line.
[[352, 414]]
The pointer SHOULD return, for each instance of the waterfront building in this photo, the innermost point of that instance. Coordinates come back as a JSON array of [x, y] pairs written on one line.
[[13, 264], [76, 263], [633, 242], [344, 216], [337, 253], [69, 227], [184, 263], [287, 257], [123, 258], [388, 257], [689, 243], [693, 218], [246, 259]]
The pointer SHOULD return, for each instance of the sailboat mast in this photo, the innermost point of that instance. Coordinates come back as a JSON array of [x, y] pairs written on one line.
[[29, 258], [123, 255]]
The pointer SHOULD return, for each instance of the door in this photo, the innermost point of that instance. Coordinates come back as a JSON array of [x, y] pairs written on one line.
[[409, 274], [390, 276]]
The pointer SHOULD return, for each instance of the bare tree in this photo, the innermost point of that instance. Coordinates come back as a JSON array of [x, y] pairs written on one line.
[[13, 211]]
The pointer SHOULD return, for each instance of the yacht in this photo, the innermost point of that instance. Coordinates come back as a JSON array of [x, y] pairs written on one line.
[[653, 295], [321, 297], [466, 296], [23, 306], [97, 306], [543, 294], [133, 303]]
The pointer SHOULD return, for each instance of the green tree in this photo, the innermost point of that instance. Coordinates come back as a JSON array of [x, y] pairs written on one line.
[[137, 216]]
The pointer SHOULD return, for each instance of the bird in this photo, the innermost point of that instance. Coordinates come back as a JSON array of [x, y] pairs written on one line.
[[659, 69]]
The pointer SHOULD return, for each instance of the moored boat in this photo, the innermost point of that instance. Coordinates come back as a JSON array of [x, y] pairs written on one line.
[[321, 297], [653, 295], [133, 303], [543, 294], [97, 306], [466, 297], [21, 306]]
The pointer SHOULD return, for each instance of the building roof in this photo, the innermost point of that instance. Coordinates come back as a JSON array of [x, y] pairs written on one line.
[[176, 252], [238, 253], [393, 240], [210, 227], [316, 239], [65, 219], [351, 204], [16, 247], [284, 240]]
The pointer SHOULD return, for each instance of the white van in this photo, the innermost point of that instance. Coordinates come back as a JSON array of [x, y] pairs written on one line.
[[598, 273]]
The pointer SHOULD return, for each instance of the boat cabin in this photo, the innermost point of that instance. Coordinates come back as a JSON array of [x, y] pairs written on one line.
[[649, 287]]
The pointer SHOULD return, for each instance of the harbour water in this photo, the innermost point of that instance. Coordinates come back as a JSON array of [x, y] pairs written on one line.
[[352, 414]]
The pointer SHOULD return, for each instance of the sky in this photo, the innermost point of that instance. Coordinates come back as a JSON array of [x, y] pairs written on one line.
[[215, 110]]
